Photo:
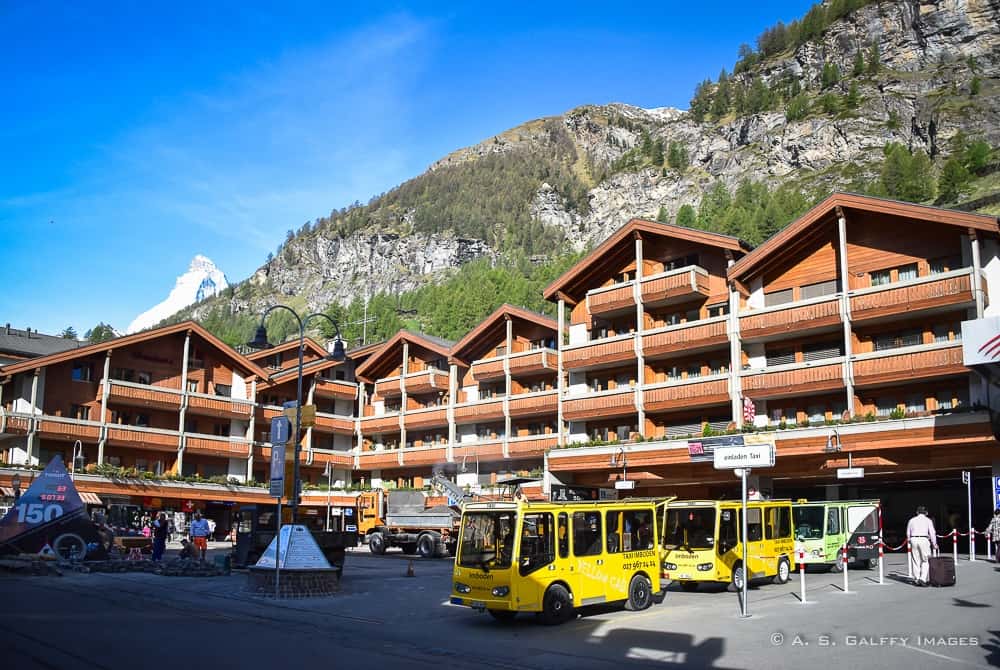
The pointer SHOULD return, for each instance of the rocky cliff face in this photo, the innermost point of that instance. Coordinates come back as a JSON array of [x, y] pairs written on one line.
[[930, 52]]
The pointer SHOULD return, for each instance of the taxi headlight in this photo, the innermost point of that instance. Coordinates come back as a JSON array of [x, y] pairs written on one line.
[[462, 588], [500, 591], [705, 567], [669, 566], [817, 553]]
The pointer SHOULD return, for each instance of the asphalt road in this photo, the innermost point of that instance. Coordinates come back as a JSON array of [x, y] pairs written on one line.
[[384, 619]]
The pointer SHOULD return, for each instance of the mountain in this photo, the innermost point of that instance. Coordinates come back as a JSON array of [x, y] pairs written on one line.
[[201, 281], [821, 104]]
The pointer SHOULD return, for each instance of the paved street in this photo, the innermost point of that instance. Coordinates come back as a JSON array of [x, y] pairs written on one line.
[[381, 618]]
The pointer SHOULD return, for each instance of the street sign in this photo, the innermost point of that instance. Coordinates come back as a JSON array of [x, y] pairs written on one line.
[[308, 416], [850, 473], [747, 456], [965, 476], [279, 437], [625, 484]]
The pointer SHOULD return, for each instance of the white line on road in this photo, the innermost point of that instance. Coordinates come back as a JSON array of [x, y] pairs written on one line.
[[942, 656]]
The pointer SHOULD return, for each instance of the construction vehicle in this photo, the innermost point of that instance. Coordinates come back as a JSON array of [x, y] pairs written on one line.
[[401, 519]]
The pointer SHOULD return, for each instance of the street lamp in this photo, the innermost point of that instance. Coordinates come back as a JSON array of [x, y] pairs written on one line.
[[614, 461], [260, 342], [77, 449]]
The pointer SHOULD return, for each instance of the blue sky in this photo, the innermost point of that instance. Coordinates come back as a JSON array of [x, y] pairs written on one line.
[[133, 138]]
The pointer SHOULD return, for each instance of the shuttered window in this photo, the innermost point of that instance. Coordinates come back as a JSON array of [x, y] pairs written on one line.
[[906, 338], [684, 429], [821, 350], [819, 289], [777, 297], [780, 357]]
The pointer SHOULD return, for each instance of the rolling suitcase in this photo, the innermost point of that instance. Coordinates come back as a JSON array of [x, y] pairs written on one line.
[[941, 571]]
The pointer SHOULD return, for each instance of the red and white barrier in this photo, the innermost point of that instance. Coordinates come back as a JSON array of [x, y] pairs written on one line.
[[802, 575], [843, 557]]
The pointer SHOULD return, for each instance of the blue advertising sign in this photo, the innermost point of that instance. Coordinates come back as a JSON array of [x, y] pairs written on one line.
[[279, 438]]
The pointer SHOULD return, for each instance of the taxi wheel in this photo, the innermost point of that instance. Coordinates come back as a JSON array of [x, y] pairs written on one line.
[[502, 615], [557, 607], [640, 594], [784, 571], [689, 586], [736, 583], [871, 563], [837, 565]]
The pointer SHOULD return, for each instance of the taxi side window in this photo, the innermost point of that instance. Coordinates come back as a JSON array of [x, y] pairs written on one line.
[[563, 534], [755, 530], [629, 530], [783, 525], [728, 536], [770, 514], [587, 537], [833, 521], [537, 542]]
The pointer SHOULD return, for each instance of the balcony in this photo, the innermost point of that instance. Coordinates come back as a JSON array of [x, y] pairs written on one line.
[[386, 423], [219, 406], [425, 455], [424, 381], [487, 449], [374, 460], [533, 361], [604, 352], [685, 337], [216, 445], [605, 404], [946, 290], [336, 388], [681, 285], [534, 404], [490, 409], [426, 417], [63, 428], [795, 378], [140, 437], [143, 395], [611, 299], [531, 446], [341, 459], [489, 368], [334, 423], [15, 424], [692, 392], [793, 318], [909, 363]]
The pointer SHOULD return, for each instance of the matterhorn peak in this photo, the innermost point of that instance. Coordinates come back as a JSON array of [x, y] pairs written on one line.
[[202, 280]]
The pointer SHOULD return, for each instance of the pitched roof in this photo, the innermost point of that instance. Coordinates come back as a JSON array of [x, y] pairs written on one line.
[[577, 276], [31, 344], [436, 344], [777, 242], [502, 313], [146, 335], [310, 343]]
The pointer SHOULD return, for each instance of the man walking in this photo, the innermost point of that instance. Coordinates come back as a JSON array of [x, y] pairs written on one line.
[[922, 537], [199, 534], [159, 536], [994, 533]]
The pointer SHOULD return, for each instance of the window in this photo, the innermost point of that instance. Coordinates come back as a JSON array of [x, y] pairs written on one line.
[[224, 390], [880, 277], [274, 361], [941, 332], [906, 338], [563, 535], [190, 425], [728, 534], [82, 372], [693, 370], [629, 530], [833, 521], [915, 404], [719, 366], [680, 262], [944, 400], [339, 375], [721, 309], [123, 374], [393, 404], [819, 289], [221, 429], [192, 387], [142, 420], [537, 543], [779, 357], [944, 264], [145, 378], [120, 418], [779, 524], [755, 528], [778, 297], [821, 350], [627, 275], [908, 272], [817, 414], [79, 412], [692, 315], [141, 464], [885, 406], [587, 539]]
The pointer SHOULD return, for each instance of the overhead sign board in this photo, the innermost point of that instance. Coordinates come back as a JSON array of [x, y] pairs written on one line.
[[850, 473], [625, 484], [981, 341], [746, 456], [279, 437]]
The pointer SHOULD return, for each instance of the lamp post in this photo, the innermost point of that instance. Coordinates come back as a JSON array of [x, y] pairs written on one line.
[[260, 342], [77, 448]]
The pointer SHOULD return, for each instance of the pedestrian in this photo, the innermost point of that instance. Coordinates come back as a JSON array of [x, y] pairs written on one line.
[[159, 536], [171, 529], [199, 534], [994, 532], [211, 528], [922, 537]]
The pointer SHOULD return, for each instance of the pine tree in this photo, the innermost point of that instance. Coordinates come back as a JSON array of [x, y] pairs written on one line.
[[873, 59], [677, 157], [68, 333], [830, 75], [954, 178], [685, 216], [859, 64], [656, 156], [102, 332], [853, 99], [662, 216], [975, 86]]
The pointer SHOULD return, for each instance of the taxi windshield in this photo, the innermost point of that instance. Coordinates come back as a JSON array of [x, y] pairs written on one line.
[[808, 522], [690, 528], [487, 540]]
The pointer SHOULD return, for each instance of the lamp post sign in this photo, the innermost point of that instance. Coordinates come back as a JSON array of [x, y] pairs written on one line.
[[741, 459], [279, 437]]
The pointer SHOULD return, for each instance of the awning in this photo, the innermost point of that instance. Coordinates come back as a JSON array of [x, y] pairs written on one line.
[[90, 498], [6, 491]]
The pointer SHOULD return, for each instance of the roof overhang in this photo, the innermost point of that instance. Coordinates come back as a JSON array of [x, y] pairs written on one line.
[[379, 357], [499, 316]]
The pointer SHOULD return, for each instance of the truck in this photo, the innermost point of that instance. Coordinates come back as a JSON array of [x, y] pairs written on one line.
[[256, 526], [401, 519]]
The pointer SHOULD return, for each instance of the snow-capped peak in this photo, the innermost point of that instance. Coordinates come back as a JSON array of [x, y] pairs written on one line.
[[202, 280]]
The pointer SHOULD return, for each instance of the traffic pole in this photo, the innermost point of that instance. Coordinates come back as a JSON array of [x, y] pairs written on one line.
[[881, 549], [967, 476], [909, 561], [989, 546], [954, 545], [802, 575], [843, 557]]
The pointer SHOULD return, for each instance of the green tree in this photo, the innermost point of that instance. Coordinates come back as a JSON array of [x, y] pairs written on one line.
[[102, 332], [830, 75], [874, 62], [797, 108], [656, 155], [953, 180], [859, 64], [975, 86], [853, 99], [686, 216], [662, 216], [759, 97], [701, 103], [677, 156], [975, 155], [68, 333]]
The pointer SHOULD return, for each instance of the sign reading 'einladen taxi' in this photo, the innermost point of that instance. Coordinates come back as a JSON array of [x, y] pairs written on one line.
[[747, 456]]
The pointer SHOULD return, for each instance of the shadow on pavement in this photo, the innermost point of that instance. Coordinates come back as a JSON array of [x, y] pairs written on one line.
[[663, 647], [968, 603], [993, 646]]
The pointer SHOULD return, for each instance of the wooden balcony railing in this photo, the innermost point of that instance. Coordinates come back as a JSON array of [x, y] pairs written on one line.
[[15, 424], [903, 366], [599, 405], [336, 388], [340, 459], [334, 423], [481, 410], [685, 337], [215, 445], [537, 360], [140, 437], [428, 417], [490, 368], [952, 290], [484, 450], [426, 381], [387, 423], [143, 395], [788, 380], [425, 455], [611, 299], [62, 428], [688, 393], [686, 283], [375, 460], [531, 445], [532, 404], [790, 318], [203, 403], [607, 351]]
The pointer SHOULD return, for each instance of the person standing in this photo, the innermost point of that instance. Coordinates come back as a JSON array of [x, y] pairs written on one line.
[[199, 534], [922, 537], [994, 533], [160, 530]]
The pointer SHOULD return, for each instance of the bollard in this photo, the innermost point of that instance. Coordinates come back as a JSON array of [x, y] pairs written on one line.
[[989, 546], [972, 543], [409, 569], [802, 576], [881, 560], [954, 545], [843, 556], [909, 563]]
